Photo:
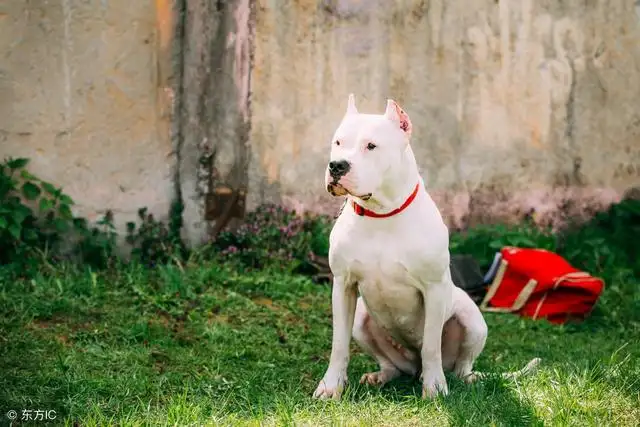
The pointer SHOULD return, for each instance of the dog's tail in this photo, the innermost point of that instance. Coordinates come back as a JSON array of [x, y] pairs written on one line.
[[530, 368]]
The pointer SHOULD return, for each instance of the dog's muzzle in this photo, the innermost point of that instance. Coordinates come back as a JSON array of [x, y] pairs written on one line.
[[337, 169]]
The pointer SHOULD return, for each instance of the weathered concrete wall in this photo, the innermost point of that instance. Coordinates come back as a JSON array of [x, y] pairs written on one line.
[[212, 117], [129, 104], [83, 93], [516, 104]]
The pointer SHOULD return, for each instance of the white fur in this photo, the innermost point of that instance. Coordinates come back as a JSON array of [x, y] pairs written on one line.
[[410, 316]]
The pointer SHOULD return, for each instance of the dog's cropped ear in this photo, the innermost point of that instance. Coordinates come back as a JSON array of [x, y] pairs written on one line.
[[398, 116], [351, 105]]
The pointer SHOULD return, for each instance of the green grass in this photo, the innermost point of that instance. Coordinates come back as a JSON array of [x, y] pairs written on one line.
[[205, 345]]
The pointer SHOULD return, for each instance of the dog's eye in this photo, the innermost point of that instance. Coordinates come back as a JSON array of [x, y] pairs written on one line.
[[337, 142], [371, 146]]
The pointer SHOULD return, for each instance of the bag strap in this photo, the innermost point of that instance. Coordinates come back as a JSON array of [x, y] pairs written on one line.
[[520, 300], [576, 275]]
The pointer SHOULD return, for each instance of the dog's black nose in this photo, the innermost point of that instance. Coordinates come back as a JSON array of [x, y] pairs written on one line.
[[338, 167]]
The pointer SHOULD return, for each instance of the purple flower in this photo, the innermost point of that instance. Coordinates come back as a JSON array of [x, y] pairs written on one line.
[[230, 250]]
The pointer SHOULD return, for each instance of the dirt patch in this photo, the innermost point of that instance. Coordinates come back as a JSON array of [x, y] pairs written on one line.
[[50, 323], [218, 318], [289, 317], [58, 320], [64, 340], [304, 305], [266, 302]]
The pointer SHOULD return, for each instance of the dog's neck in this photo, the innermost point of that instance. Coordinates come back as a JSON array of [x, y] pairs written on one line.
[[394, 193]]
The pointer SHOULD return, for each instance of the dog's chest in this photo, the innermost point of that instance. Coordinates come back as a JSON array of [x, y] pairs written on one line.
[[391, 299], [391, 264], [390, 292], [392, 259]]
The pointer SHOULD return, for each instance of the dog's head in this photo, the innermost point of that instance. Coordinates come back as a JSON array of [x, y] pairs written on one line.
[[368, 151]]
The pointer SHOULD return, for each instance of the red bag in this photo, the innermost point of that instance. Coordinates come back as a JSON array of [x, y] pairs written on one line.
[[540, 284]]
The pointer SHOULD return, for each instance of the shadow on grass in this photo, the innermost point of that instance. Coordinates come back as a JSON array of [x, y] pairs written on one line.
[[491, 401]]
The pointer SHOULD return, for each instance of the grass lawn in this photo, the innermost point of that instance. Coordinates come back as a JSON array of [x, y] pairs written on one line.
[[205, 345]]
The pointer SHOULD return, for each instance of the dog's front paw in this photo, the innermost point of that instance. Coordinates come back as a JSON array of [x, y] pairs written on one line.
[[330, 388], [434, 383]]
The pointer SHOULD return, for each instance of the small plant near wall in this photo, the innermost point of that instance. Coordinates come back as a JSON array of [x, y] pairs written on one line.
[[37, 223], [154, 242], [274, 236], [33, 212], [38, 228]]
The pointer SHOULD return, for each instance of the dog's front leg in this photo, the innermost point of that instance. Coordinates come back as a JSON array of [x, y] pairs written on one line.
[[437, 299], [343, 302]]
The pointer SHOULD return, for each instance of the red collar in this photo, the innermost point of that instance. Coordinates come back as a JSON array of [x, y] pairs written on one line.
[[359, 210]]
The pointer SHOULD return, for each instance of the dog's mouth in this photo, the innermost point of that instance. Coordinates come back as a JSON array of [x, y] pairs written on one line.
[[338, 190]]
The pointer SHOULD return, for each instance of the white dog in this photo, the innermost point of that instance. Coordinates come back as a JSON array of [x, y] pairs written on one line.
[[391, 244]]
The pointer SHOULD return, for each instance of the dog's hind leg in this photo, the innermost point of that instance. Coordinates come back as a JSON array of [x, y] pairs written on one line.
[[393, 359], [474, 338]]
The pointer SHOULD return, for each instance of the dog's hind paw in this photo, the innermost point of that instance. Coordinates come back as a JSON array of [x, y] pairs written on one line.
[[379, 378]]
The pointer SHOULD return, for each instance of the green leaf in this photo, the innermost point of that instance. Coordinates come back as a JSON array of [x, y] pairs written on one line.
[[15, 229], [66, 200], [65, 211], [9, 184], [49, 188], [3, 222], [61, 225], [495, 244], [30, 235], [45, 204], [17, 163], [524, 242], [25, 174], [30, 190], [18, 216], [80, 223]]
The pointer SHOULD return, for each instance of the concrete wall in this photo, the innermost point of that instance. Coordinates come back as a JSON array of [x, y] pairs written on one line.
[[129, 104], [516, 104], [84, 94], [212, 114]]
